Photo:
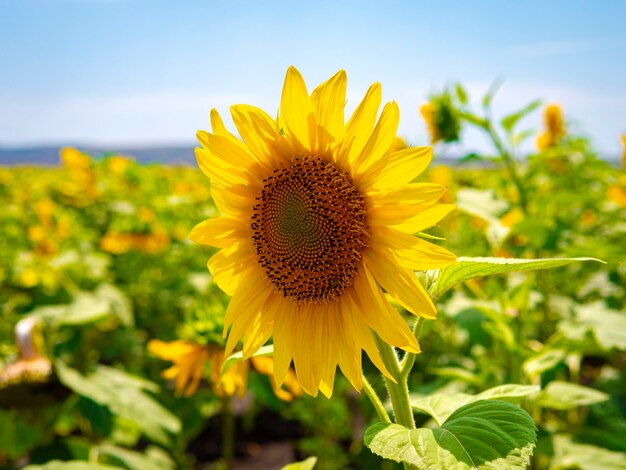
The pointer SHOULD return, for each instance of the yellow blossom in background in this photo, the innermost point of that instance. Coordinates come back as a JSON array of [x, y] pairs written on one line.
[[428, 112], [117, 243], [74, 159], [315, 224], [118, 164], [81, 185], [624, 150], [189, 360], [511, 218], [588, 218], [617, 194], [554, 127]]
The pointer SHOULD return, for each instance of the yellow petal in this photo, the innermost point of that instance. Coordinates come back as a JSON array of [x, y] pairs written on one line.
[[221, 232], [236, 200], [260, 133], [224, 162], [297, 111], [397, 205], [329, 100], [397, 168], [219, 129], [379, 314], [227, 266], [400, 283], [285, 326], [427, 217], [411, 252], [246, 305], [359, 127], [347, 347], [171, 351], [381, 139], [259, 330]]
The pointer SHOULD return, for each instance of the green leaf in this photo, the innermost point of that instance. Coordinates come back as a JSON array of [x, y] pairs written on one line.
[[568, 455], [547, 359], [473, 119], [237, 357], [608, 327], [133, 460], [124, 395], [469, 268], [118, 302], [485, 205], [484, 434], [508, 122], [70, 465], [493, 89], [565, 396], [307, 464], [440, 406], [461, 94]]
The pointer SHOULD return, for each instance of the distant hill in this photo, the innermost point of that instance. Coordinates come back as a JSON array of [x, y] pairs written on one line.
[[49, 155]]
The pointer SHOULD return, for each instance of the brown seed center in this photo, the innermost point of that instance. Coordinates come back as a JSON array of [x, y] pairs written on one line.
[[309, 229]]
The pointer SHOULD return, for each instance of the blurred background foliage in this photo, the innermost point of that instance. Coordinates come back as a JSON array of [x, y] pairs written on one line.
[[95, 264]]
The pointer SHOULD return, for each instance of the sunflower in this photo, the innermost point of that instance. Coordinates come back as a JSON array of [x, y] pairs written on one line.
[[554, 125], [317, 223]]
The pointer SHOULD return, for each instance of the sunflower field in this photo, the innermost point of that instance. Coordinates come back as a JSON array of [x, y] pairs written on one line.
[[494, 338]]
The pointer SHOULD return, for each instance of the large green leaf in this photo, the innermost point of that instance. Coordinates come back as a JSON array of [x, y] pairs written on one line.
[[565, 396], [570, 455], [544, 360], [440, 406], [124, 395], [469, 268], [484, 434]]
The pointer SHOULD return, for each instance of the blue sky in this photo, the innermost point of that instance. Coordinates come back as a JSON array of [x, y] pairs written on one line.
[[119, 72]]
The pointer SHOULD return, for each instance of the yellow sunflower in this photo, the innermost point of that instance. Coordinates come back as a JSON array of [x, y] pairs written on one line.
[[555, 127], [317, 223]]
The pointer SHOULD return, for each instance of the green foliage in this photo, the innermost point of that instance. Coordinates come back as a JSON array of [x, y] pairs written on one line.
[[482, 434], [124, 395], [470, 268]]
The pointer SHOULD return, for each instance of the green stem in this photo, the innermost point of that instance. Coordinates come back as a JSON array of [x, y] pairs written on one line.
[[398, 390], [510, 164], [228, 432], [375, 399], [409, 358]]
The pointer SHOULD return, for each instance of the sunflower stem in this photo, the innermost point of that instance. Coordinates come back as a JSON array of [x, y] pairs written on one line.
[[398, 390], [375, 399], [409, 358]]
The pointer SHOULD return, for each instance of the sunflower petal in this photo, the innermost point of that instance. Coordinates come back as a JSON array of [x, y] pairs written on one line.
[[260, 133], [379, 315], [221, 232], [412, 252], [400, 283], [297, 111], [381, 139], [359, 127], [397, 168], [285, 323], [228, 265], [427, 217], [329, 100]]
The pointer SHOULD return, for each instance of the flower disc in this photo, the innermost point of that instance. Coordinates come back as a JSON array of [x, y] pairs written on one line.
[[309, 229]]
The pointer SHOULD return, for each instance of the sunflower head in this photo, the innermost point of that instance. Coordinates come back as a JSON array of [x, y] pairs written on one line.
[[554, 127], [317, 223], [441, 118]]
